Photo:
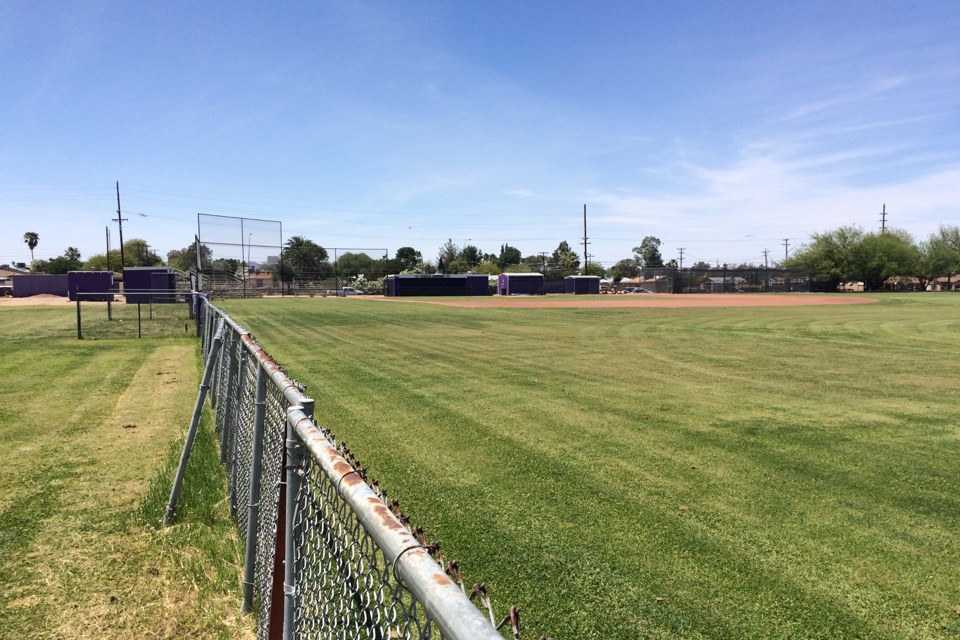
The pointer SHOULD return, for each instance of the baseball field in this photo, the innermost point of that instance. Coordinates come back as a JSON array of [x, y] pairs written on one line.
[[643, 471], [616, 469]]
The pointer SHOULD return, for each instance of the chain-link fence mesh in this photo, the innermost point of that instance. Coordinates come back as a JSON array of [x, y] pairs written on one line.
[[735, 280], [358, 569], [158, 314]]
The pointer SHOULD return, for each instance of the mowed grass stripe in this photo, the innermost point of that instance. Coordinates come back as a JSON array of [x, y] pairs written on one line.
[[551, 452], [84, 429]]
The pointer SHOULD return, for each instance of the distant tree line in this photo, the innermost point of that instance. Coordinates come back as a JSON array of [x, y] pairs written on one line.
[[845, 254], [848, 254]]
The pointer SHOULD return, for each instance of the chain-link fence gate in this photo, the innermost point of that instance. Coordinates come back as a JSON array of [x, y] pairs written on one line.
[[326, 555]]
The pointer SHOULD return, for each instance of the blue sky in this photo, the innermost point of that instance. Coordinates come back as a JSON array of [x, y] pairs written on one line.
[[722, 128]]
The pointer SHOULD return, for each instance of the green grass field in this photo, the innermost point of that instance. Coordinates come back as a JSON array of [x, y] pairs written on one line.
[[660, 473], [90, 433]]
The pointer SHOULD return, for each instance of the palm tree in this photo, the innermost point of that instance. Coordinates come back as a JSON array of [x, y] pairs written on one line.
[[32, 239], [72, 254], [304, 256]]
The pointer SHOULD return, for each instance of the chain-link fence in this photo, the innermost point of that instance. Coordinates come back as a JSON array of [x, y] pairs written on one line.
[[759, 280], [327, 556], [137, 314]]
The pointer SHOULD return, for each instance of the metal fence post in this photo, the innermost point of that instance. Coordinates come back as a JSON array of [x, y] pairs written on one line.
[[253, 512], [79, 332], [218, 371], [194, 424], [237, 404], [228, 399], [295, 452]]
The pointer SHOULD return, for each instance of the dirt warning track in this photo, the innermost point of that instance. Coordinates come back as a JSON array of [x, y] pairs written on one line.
[[663, 300]]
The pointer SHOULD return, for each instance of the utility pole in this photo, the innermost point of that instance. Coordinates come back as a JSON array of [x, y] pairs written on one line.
[[883, 220], [766, 269], [543, 262], [681, 257], [786, 248], [120, 220], [586, 260]]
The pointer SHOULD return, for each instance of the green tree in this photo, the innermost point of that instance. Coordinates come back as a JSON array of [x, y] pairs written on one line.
[[508, 256], [594, 269], [352, 264], [880, 256], [137, 253], [60, 265], [700, 265], [32, 239], [647, 255], [489, 267], [537, 264], [940, 255], [408, 257], [228, 266], [847, 254], [459, 265], [447, 254], [471, 255], [306, 258], [563, 261], [626, 268], [98, 261], [186, 259], [831, 255], [69, 261]]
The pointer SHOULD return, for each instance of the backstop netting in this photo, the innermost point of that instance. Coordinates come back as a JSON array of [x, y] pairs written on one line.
[[237, 255]]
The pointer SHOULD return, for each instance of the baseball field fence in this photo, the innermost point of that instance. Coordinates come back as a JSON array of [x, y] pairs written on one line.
[[153, 313], [327, 555]]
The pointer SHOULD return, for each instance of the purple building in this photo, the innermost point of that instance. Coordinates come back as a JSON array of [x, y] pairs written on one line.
[[414, 284], [579, 285], [25, 286], [146, 284], [520, 284], [96, 284]]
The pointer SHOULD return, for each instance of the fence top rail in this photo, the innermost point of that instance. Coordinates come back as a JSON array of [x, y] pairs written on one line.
[[454, 614], [291, 392]]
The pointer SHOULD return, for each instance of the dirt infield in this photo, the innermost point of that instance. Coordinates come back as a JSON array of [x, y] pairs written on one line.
[[577, 302], [651, 300], [44, 299]]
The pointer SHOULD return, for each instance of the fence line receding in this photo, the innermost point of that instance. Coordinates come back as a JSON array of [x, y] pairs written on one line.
[[326, 555]]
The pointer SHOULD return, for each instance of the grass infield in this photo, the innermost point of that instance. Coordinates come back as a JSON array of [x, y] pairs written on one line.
[[660, 473]]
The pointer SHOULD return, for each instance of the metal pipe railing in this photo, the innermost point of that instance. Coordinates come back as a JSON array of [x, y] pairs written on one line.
[[331, 527]]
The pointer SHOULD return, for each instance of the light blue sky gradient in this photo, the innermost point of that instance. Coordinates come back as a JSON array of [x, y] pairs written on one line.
[[719, 127]]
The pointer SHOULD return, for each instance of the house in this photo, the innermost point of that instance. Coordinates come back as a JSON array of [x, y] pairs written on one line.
[[728, 284], [260, 281], [945, 283]]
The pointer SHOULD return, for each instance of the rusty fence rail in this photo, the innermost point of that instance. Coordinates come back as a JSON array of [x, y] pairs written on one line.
[[326, 555]]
